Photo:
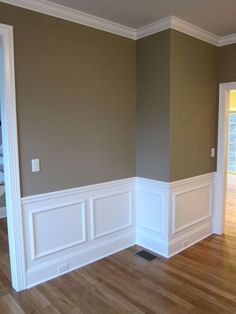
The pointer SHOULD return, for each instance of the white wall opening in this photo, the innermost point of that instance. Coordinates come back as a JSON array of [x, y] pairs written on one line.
[[222, 157], [11, 158]]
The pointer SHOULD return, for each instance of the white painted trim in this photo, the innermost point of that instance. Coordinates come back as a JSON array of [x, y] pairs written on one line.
[[194, 222], [222, 156], [32, 213], [194, 31], [74, 191], [43, 265], [172, 242], [194, 179], [46, 252], [68, 14], [179, 25], [11, 160], [162, 197], [154, 28], [153, 183], [93, 235], [227, 40], [79, 17], [90, 254]]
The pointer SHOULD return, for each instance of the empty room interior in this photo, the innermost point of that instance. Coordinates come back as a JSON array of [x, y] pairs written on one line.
[[117, 156]]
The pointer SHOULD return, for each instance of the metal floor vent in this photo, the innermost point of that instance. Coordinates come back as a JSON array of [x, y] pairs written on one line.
[[149, 257]]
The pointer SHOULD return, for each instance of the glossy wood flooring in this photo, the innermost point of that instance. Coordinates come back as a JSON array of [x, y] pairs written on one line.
[[202, 279], [230, 217]]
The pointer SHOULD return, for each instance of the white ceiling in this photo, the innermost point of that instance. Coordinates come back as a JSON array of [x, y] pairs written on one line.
[[215, 16]]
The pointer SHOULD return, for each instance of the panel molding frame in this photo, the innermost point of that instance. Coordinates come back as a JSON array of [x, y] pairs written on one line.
[[162, 198], [92, 218], [31, 215], [194, 222]]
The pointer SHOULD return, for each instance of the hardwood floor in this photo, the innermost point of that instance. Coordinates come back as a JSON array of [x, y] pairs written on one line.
[[202, 279], [230, 217]]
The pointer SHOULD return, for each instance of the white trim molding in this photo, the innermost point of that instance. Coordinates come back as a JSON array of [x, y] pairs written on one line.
[[222, 156], [173, 216], [154, 28], [194, 31], [227, 40], [79, 17], [173, 22], [11, 158], [68, 229]]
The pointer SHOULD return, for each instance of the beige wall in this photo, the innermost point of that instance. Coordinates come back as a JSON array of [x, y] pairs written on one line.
[[227, 64], [76, 102], [76, 92], [153, 106], [176, 106], [194, 106]]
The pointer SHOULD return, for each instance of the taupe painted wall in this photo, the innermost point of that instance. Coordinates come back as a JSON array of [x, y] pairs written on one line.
[[176, 106], [227, 64], [75, 89], [153, 106], [76, 98], [194, 106]]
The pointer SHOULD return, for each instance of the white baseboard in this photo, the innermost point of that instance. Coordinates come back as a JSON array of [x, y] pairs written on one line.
[[3, 212], [68, 229], [152, 242], [189, 238], [92, 252]]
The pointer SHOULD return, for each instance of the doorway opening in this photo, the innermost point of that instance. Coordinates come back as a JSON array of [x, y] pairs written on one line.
[[225, 187], [230, 208]]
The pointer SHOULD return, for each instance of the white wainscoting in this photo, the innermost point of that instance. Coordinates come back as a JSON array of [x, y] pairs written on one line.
[[68, 229], [152, 215], [191, 211], [105, 221], [173, 216]]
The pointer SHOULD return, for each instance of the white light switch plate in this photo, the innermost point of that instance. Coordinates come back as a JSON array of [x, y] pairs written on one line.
[[35, 165], [213, 152]]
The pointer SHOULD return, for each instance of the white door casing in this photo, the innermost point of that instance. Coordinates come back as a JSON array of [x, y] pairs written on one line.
[[11, 157], [222, 157]]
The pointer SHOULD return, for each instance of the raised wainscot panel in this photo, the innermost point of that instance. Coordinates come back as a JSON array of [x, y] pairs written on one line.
[[56, 228], [191, 206], [110, 213], [150, 211]]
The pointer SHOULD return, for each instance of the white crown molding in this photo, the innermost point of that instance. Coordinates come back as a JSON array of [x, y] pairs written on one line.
[[194, 31], [68, 14], [227, 40], [171, 22], [179, 25], [153, 28]]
